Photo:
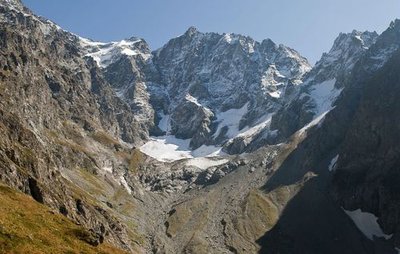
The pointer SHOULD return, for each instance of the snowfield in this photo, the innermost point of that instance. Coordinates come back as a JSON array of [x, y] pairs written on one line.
[[169, 149], [231, 119], [324, 95], [105, 54], [367, 223]]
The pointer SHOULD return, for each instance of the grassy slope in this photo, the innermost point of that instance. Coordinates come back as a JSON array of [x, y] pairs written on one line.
[[29, 227]]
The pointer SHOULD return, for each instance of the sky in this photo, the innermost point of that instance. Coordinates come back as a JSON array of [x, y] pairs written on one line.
[[308, 26]]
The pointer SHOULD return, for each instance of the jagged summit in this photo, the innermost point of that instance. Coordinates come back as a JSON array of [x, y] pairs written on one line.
[[208, 74], [395, 24], [323, 84], [384, 47], [191, 31], [196, 77], [268, 43], [346, 47], [392, 34], [345, 52]]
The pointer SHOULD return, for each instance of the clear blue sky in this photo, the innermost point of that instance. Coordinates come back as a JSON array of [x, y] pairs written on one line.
[[309, 26]]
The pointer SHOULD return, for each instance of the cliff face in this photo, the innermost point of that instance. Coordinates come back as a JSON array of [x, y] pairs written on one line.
[[367, 159], [351, 157], [196, 79], [367, 168], [54, 105], [323, 84]]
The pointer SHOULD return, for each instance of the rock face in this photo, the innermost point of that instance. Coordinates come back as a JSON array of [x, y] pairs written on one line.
[[225, 72], [323, 84], [367, 166], [53, 103], [365, 176], [308, 142], [198, 77], [127, 67]]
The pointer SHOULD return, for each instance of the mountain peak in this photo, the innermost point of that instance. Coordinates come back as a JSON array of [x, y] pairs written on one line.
[[395, 24], [134, 39], [191, 31], [268, 43], [354, 39], [346, 50]]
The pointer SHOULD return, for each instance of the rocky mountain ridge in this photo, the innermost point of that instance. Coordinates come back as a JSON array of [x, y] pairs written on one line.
[[208, 74]]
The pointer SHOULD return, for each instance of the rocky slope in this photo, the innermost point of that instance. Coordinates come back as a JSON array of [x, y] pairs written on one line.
[[134, 145], [28, 226], [58, 116]]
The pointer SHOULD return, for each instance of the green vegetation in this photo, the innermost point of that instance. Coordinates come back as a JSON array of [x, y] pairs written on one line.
[[29, 227]]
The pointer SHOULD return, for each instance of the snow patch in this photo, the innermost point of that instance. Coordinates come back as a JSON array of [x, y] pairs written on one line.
[[249, 132], [324, 95], [205, 163], [107, 169], [192, 99], [123, 182], [332, 164], [367, 223], [87, 42], [107, 166], [129, 52], [317, 121], [276, 94], [230, 38], [169, 149], [208, 151], [165, 123], [105, 54], [231, 119]]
